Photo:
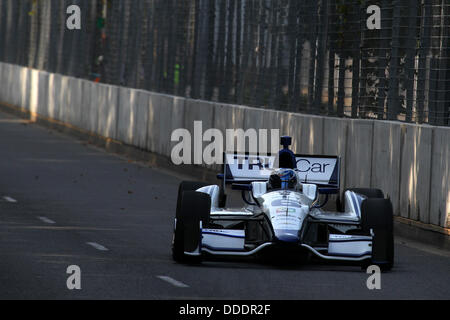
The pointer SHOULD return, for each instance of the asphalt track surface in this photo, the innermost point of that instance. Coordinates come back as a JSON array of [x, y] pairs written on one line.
[[64, 202]]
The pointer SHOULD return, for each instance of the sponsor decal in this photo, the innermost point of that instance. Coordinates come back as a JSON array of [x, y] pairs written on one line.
[[285, 210], [286, 203]]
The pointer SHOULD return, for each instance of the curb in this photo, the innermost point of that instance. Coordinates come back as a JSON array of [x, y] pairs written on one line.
[[429, 234], [421, 232]]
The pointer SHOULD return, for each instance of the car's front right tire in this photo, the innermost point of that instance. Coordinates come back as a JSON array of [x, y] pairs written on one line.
[[377, 217]]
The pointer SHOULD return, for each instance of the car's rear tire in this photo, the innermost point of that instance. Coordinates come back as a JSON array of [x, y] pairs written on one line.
[[192, 208], [377, 215]]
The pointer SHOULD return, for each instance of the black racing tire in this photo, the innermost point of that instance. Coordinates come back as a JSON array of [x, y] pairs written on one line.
[[193, 208], [177, 242], [188, 186], [377, 215], [369, 193]]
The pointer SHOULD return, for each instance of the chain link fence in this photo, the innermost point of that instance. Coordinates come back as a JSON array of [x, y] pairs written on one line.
[[310, 56]]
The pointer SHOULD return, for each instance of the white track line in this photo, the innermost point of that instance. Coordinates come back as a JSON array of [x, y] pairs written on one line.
[[173, 282], [97, 246], [9, 199], [46, 220]]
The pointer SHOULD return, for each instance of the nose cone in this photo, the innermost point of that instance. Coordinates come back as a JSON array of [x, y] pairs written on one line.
[[286, 235]]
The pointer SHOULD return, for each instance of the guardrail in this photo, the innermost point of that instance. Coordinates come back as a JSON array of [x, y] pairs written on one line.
[[411, 163]]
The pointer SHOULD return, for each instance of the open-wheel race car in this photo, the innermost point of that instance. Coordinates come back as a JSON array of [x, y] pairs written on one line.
[[284, 196]]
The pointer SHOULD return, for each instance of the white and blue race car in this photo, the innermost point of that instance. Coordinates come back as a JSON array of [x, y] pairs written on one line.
[[283, 212]]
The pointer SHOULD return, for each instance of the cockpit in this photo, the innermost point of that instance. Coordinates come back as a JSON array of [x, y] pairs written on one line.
[[283, 179]]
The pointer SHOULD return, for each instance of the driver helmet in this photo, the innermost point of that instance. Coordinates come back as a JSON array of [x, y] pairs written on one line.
[[283, 179]]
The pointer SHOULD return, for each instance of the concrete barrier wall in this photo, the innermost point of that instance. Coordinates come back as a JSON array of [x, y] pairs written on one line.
[[89, 110], [440, 172], [127, 114], [410, 163], [387, 141], [415, 172]]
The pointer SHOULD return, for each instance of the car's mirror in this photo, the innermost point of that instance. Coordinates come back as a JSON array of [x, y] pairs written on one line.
[[259, 189], [310, 191]]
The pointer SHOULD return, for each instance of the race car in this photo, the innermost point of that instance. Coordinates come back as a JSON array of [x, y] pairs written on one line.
[[283, 197]]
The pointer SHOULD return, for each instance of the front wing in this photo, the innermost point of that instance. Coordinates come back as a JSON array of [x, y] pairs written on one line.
[[316, 236]]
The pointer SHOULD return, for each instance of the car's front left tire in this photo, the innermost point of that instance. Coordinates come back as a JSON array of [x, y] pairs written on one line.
[[192, 209]]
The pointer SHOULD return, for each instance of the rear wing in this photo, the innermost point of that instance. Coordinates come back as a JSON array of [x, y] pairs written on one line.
[[324, 171]]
